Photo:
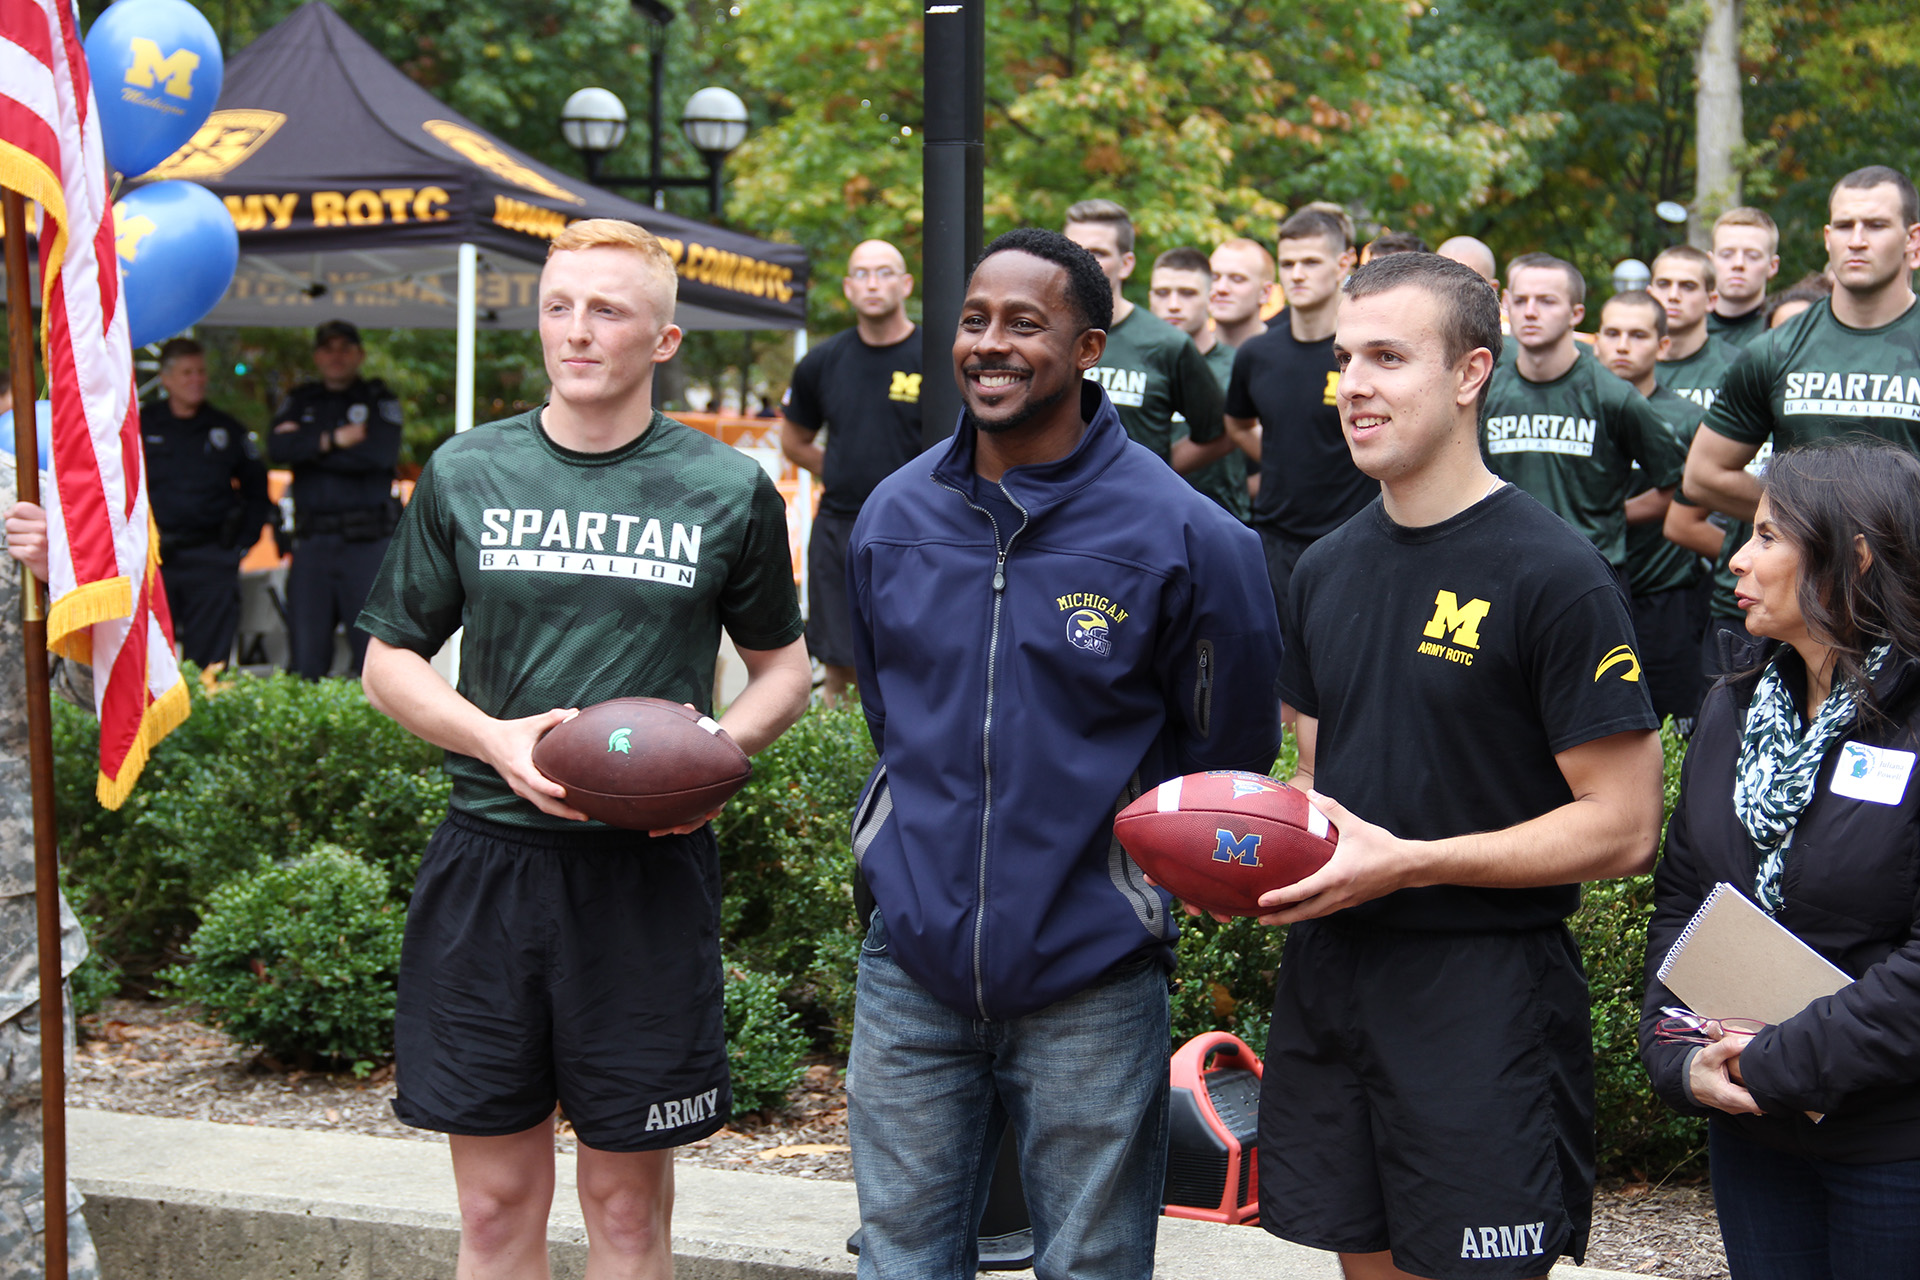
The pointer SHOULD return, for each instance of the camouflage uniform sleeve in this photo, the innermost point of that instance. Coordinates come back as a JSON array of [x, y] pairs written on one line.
[[22, 1199], [759, 606], [417, 599]]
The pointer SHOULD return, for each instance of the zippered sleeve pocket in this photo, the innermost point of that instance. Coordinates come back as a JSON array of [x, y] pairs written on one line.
[[1203, 688]]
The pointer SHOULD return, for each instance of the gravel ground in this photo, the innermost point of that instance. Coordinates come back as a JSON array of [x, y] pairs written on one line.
[[152, 1059]]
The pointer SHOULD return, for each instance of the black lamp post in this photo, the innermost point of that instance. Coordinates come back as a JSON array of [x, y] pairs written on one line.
[[594, 123]]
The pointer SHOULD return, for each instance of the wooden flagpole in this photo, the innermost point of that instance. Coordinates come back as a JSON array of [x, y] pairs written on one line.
[[46, 858]]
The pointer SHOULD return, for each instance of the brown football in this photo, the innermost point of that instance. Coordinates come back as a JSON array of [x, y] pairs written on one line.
[[642, 763]]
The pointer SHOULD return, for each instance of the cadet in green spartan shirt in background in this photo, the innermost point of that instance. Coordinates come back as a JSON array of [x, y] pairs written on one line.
[[1563, 428], [1851, 363], [1746, 254], [1181, 283], [1669, 612], [1151, 371], [1686, 283], [592, 549]]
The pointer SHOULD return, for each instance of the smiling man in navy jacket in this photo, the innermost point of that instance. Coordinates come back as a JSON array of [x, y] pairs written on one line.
[[1047, 621]]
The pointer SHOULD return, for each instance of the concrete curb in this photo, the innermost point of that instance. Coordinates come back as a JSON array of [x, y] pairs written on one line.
[[191, 1200]]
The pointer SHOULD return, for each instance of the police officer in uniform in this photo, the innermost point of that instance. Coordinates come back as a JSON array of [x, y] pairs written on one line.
[[341, 436], [208, 490]]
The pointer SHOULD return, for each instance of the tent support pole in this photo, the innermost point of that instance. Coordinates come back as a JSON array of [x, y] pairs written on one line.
[[804, 489], [463, 357]]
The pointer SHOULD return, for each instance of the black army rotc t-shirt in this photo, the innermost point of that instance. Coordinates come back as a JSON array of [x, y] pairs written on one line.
[[1815, 377], [1698, 376], [1152, 371], [1308, 484], [1224, 479], [868, 399], [1445, 677], [1653, 563], [1572, 444], [581, 577], [1741, 330]]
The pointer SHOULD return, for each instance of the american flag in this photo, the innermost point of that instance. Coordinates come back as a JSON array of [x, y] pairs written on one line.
[[108, 608]]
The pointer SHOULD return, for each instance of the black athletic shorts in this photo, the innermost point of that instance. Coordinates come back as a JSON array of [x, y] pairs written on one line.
[[829, 616], [1668, 626], [1432, 1094], [1282, 553], [578, 967]]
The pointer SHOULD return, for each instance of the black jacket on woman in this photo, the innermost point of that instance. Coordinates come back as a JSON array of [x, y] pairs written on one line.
[[1852, 892]]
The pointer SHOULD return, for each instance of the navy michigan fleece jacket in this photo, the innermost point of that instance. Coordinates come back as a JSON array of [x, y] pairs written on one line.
[[1025, 674]]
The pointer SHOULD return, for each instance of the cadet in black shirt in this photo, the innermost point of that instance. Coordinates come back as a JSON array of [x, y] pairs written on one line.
[[207, 489], [863, 387], [341, 436], [1471, 719], [1280, 403]]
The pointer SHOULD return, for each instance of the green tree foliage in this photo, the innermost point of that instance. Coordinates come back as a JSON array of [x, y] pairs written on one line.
[[1206, 118], [1830, 86]]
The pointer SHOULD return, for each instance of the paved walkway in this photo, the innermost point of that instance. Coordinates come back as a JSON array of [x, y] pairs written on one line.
[[190, 1200]]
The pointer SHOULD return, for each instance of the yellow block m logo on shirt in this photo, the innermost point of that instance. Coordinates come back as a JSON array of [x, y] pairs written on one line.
[[149, 68], [906, 387], [1463, 620]]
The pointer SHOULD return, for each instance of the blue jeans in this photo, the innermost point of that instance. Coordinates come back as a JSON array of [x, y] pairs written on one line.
[[1084, 1084], [1787, 1217]]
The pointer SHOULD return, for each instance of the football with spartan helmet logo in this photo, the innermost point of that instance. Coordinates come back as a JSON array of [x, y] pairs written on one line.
[[643, 763]]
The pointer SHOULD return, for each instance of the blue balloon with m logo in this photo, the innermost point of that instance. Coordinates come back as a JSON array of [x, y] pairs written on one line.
[[156, 67], [177, 248]]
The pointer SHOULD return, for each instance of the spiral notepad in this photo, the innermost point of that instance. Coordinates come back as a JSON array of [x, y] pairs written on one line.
[[1733, 960]]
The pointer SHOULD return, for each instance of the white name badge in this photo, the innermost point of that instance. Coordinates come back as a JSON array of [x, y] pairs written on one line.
[[1872, 773]]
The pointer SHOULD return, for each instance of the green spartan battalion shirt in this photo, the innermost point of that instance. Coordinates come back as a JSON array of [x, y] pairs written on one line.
[[1653, 563], [1572, 443], [1152, 371], [1224, 479], [1699, 376], [1814, 377], [581, 577]]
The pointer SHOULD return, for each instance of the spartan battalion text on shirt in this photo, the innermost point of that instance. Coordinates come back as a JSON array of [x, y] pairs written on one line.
[[593, 543], [1815, 377], [1863, 395]]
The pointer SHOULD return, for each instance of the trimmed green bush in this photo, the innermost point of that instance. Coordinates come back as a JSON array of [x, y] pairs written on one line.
[[300, 958], [1636, 1131], [262, 770], [787, 865], [766, 1049]]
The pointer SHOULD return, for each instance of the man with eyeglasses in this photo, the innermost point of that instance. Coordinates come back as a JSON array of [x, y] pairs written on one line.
[[862, 386]]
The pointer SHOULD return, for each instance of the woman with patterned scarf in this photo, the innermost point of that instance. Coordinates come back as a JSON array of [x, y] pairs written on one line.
[[1799, 790]]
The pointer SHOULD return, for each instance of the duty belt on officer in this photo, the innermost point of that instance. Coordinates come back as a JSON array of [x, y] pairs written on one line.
[[356, 524]]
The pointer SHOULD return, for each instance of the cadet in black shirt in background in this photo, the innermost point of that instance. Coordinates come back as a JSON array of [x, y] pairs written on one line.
[[863, 386], [207, 489], [341, 436], [1471, 719], [1281, 407]]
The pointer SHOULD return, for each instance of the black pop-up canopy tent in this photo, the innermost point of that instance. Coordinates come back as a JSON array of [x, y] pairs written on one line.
[[359, 195]]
